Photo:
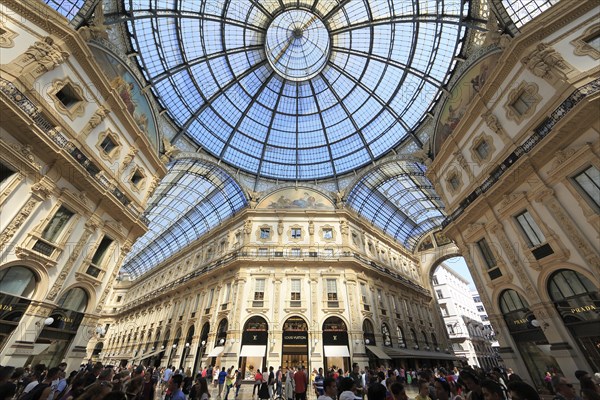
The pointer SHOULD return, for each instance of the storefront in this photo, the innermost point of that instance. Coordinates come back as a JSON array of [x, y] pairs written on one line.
[[220, 340], [294, 352], [17, 286], [255, 339], [577, 300], [201, 346], [335, 344], [529, 339]]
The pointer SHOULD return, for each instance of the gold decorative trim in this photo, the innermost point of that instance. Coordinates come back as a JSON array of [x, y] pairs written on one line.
[[77, 109], [95, 120], [7, 36], [582, 47], [524, 87], [545, 62]]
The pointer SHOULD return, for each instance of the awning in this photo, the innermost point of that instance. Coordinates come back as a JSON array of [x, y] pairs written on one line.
[[336, 351], [38, 348], [378, 352], [404, 353], [253, 351], [216, 351], [122, 356], [148, 355]]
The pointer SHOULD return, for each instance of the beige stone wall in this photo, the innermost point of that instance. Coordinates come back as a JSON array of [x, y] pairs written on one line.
[[40, 138], [544, 61]]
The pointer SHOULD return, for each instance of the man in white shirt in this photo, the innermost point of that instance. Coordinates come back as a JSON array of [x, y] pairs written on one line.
[[330, 388]]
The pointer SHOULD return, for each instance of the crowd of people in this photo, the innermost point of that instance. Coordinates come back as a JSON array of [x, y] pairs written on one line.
[[100, 382]]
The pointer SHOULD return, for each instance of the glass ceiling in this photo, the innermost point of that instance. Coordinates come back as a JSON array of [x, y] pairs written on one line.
[[297, 89], [67, 8], [192, 198], [523, 11], [400, 200]]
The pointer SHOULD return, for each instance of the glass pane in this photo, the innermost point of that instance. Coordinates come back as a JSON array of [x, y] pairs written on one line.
[[75, 299], [17, 281], [56, 224]]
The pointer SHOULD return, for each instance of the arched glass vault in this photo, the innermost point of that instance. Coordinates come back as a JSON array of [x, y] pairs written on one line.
[[194, 197], [399, 199]]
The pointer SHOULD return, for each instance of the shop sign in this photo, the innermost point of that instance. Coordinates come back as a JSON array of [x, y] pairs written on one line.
[[12, 308], [295, 337]]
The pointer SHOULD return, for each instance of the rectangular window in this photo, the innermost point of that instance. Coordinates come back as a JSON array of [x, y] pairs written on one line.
[[482, 149], [439, 293], [108, 144], [263, 252], [265, 233], [259, 290], [332, 290], [594, 41], [211, 294], [480, 309], [589, 182], [56, 224], [523, 103], [296, 253], [295, 289], [394, 304], [454, 181], [531, 231], [101, 250], [327, 233], [363, 293], [435, 280], [296, 233], [328, 252], [486, 253], [227, 293], [380, 298], [444, 309], [450, 329], [5, 172]]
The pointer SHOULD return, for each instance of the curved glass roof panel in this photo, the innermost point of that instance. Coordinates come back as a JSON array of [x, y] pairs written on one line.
[[192, 198], [297, 90], [523, 11], [400, 200], [67, 8]]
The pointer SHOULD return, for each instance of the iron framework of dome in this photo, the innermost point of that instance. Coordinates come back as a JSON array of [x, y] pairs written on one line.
[[297, 90]]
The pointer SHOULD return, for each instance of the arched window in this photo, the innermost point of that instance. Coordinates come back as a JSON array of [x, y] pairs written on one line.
[[98, 348], [434, 341], [425, 338], [256, 323], [387, 338], [414, 338], [189, 336], [511, 301], [368, 333], [75, 299], [576, 298], [17, 281], [400, 334], [222, 332]]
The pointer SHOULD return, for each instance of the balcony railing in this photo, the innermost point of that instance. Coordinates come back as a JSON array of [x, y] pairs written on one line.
[[39, 120], [539, 133]]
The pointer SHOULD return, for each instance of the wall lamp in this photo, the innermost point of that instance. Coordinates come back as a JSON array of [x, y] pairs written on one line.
[[537, 324], [221, 341], [367, 341], [47, 322]]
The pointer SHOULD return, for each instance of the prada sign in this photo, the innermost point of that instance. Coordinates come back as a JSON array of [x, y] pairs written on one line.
[[12, 308], [66, 320]]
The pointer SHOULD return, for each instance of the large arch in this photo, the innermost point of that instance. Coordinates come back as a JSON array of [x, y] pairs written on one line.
[[41, 276], [397, 197], [194, 197]]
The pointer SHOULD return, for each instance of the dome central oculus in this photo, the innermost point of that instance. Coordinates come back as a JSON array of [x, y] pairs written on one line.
[[297, 45]]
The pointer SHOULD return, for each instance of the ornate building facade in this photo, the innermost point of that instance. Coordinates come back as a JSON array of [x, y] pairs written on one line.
[[173, 200], [77, 171], [519, 176]]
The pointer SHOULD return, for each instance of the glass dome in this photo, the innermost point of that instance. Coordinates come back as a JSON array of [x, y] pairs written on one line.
[[297, 89]]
